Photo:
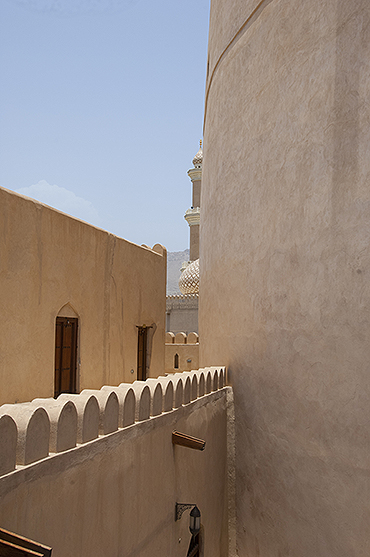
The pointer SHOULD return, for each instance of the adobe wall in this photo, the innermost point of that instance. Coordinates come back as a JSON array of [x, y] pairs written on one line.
[[49, 259], [285, 295], [182, 313], [187, 349], [116, 494]]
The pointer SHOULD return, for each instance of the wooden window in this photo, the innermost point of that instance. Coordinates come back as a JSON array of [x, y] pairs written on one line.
[[176, 361], [65, 355], [142, 352]]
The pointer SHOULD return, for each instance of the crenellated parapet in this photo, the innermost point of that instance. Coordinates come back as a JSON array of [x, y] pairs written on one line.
[[182, 338], [182, 301], [35, 430]]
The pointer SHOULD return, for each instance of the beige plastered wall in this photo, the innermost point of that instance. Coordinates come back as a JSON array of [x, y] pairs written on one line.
[[48, 260], [116, 495], [285, 290], [185, 352]]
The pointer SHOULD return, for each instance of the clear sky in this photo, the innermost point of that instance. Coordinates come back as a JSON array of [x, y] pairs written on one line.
[[101, 109]]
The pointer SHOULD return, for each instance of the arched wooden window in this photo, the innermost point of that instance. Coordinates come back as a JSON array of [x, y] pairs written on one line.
[[176, 361], [65, 374]]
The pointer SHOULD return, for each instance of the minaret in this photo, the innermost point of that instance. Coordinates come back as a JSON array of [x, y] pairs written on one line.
[[192, 216]]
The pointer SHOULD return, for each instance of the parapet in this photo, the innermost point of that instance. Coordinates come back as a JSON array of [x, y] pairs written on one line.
[[182, 338], [182, 301], [31, 431]]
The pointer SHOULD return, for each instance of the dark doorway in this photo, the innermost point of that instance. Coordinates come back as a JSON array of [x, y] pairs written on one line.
[[194, 548], [142, 352], [65, 355]]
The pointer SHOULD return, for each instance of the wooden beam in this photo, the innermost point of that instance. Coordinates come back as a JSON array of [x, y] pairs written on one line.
[[21, 543], [188, 441]]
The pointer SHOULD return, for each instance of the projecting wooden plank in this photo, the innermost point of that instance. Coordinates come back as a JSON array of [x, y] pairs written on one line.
[[8, 549], [21, 544]]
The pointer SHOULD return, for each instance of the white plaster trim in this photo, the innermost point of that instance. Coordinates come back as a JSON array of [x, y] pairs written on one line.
[[192, 216], [195, 174]]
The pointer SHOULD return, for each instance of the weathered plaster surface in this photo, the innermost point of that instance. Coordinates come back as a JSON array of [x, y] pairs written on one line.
[[48, 260], [285, 289]]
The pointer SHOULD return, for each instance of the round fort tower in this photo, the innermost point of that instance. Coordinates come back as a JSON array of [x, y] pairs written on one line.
[[285, 295]]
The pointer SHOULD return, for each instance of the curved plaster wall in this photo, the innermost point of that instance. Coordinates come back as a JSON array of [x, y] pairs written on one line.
[[285, 295]]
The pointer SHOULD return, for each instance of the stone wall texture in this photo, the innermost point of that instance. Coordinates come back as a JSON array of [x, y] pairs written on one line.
[[48, 260], [285, 290]]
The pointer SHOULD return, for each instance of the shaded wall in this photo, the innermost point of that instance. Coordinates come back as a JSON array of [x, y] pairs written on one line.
[[116, 495], [47, 260], [285, 295], [182, 313]]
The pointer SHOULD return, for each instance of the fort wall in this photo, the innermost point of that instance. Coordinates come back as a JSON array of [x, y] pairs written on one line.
[[181, 352], [52, 264], [284, 294], [97, 474], [182, 313]]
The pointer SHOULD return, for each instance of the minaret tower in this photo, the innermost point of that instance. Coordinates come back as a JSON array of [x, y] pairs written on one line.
[[192, 215], [189, 279]]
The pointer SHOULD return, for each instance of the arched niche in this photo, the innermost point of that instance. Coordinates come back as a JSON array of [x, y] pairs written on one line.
[[67, 311]]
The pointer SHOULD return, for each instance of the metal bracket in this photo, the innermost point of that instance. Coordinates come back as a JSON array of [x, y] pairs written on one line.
[[180, 508]]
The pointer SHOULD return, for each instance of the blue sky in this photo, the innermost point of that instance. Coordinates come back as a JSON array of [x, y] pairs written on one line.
[[101, 109]]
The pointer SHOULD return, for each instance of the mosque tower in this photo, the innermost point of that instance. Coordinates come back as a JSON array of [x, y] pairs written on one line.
[[182, 309], [189, 279], [192, 216]]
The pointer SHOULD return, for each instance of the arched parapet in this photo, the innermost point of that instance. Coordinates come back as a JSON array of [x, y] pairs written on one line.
[[63, 423], [178, 391], [129, 407], [126, 401], [193, 338], [156, 393], [142, 394], [88, 415], [201, 382], [208, 380], [108, 409], [167, 390], [168, 397], [194, 386], [8, 436], [161, 250], [33, 431], [214, 380], [170, 338], [187, 390], [221, 379], [180, 338]]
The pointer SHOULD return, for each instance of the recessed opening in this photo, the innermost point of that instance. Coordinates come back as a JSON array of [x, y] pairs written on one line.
[[176, 361]]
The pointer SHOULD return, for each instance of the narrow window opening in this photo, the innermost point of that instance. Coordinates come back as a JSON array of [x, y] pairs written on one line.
[[142, 352], [176, 362]]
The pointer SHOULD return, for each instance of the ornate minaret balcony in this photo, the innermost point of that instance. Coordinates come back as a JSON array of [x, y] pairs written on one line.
[[192, 216]]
